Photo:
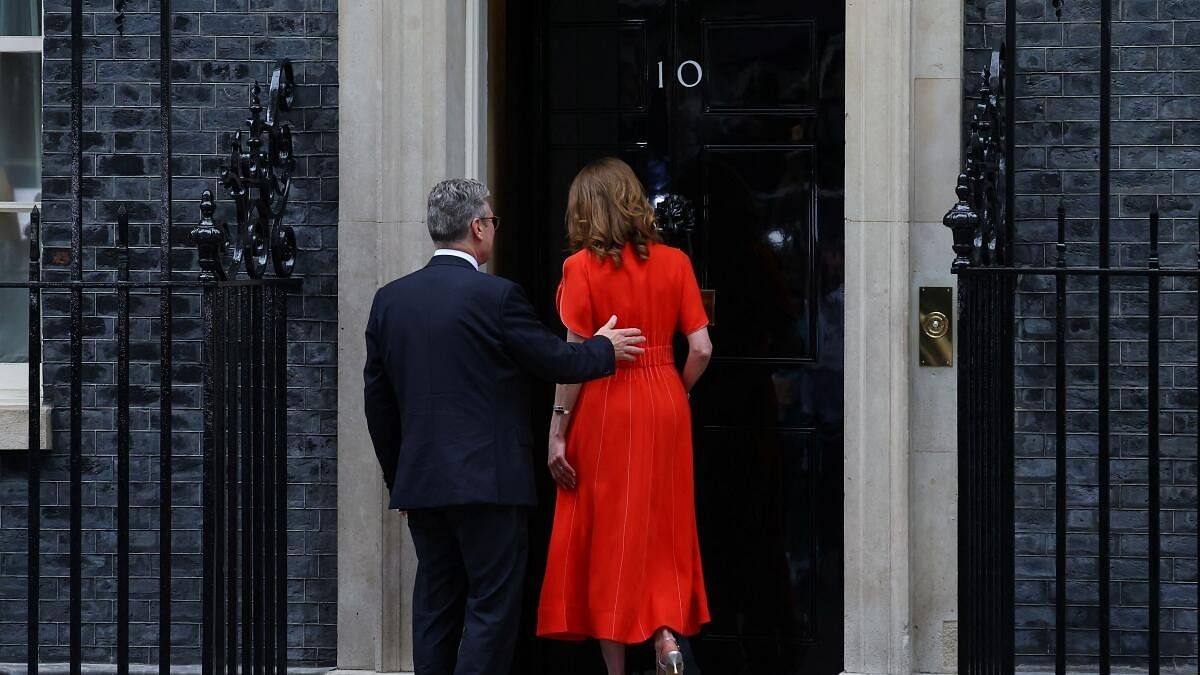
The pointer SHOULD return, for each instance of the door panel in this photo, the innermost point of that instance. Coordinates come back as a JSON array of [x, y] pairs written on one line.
[[751, 133], [759, 217], [758, 66], [583, 82], [774, 547]]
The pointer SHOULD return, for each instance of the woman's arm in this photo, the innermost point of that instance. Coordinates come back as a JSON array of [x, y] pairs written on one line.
[[565, 395], [699, 354]]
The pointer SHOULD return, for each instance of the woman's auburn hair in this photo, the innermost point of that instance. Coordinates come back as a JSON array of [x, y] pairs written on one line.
[[607, 209]]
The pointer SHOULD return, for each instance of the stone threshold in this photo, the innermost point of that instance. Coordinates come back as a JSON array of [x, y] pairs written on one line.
[[1087, 669], [370, 672], [111, 669]]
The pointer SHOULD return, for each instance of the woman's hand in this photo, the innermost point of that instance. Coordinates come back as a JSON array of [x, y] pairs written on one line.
[[560, 469]]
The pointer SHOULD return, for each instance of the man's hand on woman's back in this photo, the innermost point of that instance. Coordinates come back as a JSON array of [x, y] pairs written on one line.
[[625, 341]]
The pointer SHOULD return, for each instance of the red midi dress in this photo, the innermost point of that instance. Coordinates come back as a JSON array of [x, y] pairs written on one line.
[[624, 556]]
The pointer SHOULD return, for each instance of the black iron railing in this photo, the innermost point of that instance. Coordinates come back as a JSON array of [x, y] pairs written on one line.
[[983, 225], [245, 473], [243, 370], [243, 378]]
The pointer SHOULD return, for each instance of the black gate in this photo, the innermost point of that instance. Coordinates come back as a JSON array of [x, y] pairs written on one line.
[[990, 282], [242, 375]]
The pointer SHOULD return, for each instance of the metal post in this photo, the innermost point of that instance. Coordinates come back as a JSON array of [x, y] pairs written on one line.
[[165, 367], [122, 443], [220, 436], [1060, 449], [258, 549], [1152, 395], [76, 339], [233, 337], [209, 603], [270, 538], [246, 447], [33, 571], [280, 456], [1105, 291]]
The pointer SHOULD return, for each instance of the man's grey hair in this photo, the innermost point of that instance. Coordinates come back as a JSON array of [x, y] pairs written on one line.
[[453, 204]]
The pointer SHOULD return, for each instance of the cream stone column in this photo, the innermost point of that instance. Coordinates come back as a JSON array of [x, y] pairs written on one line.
[[402, 117], [878, 209], [933, 534], [902, 154]]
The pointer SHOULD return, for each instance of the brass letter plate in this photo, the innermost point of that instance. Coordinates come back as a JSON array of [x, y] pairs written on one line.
[[708, 297], [936, 334]]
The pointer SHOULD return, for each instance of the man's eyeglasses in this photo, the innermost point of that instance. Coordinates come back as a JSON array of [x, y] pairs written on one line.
[[495, 220]]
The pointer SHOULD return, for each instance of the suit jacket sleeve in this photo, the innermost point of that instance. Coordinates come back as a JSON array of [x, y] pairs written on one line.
[[379, 397], [545, 354]]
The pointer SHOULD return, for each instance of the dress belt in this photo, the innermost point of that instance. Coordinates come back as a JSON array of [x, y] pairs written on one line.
[[661, 355]]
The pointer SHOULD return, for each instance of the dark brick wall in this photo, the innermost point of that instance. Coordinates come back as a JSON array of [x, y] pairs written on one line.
[[1156, 162], [219, 47]]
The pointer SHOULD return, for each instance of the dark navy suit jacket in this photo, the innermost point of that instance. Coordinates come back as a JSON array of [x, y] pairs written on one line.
[[448, 351]]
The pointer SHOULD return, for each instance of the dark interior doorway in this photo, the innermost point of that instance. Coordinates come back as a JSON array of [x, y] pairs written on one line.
[[738, 109]]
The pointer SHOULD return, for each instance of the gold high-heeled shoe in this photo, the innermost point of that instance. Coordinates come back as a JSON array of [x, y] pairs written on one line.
[[670, 663]]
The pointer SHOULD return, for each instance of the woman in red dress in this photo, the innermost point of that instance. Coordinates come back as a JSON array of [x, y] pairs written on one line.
[[624, 558]]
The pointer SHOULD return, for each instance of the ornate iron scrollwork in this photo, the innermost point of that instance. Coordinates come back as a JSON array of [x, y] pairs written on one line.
[[258, 178], [977, 219]]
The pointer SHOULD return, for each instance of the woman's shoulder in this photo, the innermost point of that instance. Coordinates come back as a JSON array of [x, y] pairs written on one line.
[[580, 265], [578, 260], [668, 253]]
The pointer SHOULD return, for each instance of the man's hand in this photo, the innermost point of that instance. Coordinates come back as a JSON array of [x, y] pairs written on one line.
[[625, 341]]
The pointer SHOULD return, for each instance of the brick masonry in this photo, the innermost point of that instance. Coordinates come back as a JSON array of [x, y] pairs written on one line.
[[1156, 162], [219, 47]]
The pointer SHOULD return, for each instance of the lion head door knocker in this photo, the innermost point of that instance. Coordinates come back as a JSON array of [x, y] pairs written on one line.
[[258, 178], [675, 218]]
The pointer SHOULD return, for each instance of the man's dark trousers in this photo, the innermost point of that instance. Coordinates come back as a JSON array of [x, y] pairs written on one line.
[[477, 605]]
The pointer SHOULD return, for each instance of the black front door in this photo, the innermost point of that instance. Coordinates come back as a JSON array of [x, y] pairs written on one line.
[[734, 108]]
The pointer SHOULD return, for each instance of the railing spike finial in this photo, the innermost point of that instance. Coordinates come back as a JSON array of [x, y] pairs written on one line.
[[1153, 261], [35, 235], [255, 98], [963, 221], [1061, 246], [123, 227], [209, 240]]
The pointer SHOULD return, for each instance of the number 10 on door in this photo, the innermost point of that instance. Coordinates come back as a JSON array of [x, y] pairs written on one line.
[[695, 76]]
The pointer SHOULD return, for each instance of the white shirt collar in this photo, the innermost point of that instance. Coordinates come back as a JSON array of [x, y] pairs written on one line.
[[458, 254]]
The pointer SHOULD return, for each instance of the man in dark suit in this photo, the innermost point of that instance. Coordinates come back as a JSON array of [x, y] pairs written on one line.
[[448, 349]]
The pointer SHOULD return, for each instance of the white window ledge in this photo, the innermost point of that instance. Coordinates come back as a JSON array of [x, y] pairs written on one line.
[[21, 43], [14, 409], [14, 427]]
